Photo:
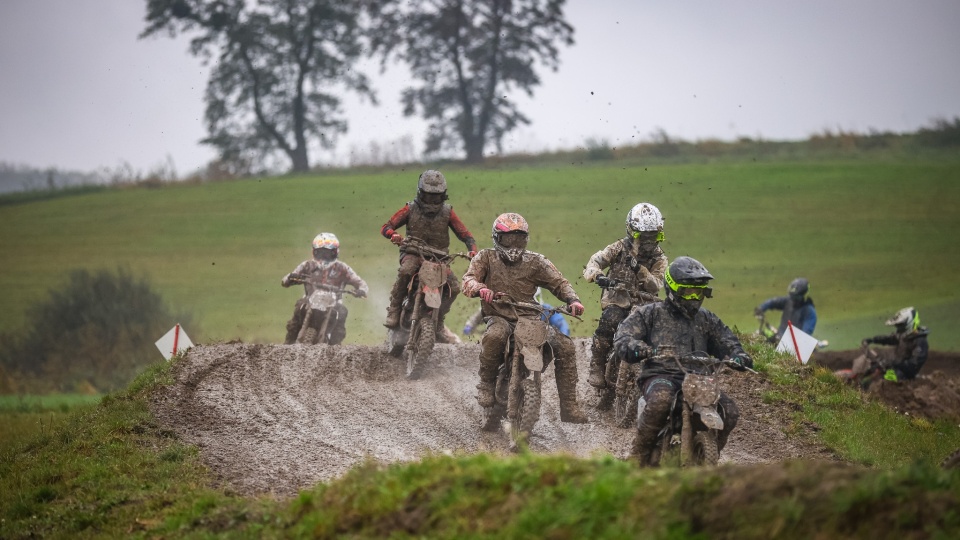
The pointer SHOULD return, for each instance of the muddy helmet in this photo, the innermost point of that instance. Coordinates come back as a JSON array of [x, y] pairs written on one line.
[[799, 288], [906, 318], [509, 236], [685, 283], [431, 191], [324, 245], [645, 217]]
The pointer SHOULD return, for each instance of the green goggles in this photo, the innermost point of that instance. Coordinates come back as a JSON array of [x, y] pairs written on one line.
[[647, 235], [694, 292]]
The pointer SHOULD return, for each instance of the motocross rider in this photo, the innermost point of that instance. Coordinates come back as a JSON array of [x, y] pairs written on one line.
[[635, 261], [509, 268], [797, 309], [910, 340], [324, 269], [427, 217], [557, 320], [681, 325]]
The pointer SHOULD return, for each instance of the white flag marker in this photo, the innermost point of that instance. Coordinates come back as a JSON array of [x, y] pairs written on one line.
[[174, 342], [798, 343]]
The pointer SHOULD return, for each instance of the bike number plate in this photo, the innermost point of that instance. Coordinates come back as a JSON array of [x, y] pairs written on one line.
[[530, 335], [322, 300]]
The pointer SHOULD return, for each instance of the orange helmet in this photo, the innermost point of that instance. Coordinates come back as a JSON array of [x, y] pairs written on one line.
[[509, 235]]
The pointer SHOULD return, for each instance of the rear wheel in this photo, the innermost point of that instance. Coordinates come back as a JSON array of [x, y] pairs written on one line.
[[424, 339], [705, 449]]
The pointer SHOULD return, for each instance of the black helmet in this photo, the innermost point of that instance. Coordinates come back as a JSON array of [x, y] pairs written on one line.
[[685, 283], [799, 287]]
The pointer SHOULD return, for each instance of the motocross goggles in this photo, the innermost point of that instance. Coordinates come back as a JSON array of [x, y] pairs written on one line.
[[432, 198], [515, 240], [647, 236], [694, 292]]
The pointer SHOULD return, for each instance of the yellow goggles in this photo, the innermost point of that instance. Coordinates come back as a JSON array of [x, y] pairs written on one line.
[[694, 292], [637, 234]]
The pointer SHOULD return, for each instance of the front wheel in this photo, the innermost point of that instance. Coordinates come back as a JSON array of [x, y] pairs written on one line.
[[309, 336], [528, 411], [424, 338], [705, 448]]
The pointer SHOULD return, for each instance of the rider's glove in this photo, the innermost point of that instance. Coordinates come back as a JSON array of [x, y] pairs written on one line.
[[360, 293], [486, 295], [472, 254], [634, 351], [757, 311], [741, 361], [467, 329], [602, 281], [576, 308], [890, 375], [396, 238]]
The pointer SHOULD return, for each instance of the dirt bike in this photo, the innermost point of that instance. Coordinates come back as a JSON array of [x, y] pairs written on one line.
[[517, 390], [321, 316], [621, 391], [416, 334], [694, 422], [866, 368]]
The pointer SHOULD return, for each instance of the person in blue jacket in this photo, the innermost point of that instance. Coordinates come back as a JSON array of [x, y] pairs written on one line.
[[797, 308], [557, 320]]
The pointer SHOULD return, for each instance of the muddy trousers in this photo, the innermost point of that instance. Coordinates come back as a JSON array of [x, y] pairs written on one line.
[[610, 319], [494, 343], [658, 392], [409, 266], [337, 331]]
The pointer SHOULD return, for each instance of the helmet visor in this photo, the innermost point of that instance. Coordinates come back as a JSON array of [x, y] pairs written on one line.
[[324, 254], [515, 240]]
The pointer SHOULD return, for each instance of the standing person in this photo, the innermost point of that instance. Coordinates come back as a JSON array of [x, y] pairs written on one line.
[[797, 309], [557, 320], [910, 342], [323, 269], [637, 263], [428, 218], [681, 325], [509, 268]]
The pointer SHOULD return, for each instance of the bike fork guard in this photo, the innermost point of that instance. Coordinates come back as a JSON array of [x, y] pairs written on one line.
[[432, 280], [702, 393], [529, 336]]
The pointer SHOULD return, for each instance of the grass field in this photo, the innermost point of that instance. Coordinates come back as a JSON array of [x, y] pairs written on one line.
[[872, 235]]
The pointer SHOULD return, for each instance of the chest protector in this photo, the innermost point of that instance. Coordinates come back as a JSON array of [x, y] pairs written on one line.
[[626, 269], [435, 231]]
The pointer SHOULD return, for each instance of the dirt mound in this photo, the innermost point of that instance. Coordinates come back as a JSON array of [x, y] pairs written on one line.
[[935, 393], [279, 418]]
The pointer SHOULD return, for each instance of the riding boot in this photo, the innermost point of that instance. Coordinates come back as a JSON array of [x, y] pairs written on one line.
[[567, 392], [642, 447], [598, 362], [488, 379], [396, 301]]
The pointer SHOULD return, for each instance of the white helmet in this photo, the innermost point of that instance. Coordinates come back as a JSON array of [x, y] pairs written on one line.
[[644, 217], [907, 316]]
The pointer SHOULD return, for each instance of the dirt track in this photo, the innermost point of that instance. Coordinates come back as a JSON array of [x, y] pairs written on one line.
[[279, 418]]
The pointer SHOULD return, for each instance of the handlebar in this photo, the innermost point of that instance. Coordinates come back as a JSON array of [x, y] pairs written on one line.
[[702, 358], [504, 298], [300, 280], [422, 247], [619, 285]]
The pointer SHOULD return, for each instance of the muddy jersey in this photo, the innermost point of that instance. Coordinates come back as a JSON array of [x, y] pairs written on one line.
[[639, 272], [431, 229], [335, 274], [488, 271], [661, 325], [911, 350]]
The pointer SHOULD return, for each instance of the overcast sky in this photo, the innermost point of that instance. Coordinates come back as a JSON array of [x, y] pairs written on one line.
[[79, 91]]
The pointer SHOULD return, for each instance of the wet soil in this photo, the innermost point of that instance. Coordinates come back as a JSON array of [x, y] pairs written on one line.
[[280, 418], [935, 393]]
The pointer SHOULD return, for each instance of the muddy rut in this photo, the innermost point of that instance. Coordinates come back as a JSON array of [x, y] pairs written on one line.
[[280, 418]]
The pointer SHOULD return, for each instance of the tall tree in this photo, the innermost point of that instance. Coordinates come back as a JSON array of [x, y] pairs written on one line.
[[276, 65], [467, 56]]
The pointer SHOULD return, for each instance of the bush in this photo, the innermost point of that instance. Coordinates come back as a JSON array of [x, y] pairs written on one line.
[[99, 329]]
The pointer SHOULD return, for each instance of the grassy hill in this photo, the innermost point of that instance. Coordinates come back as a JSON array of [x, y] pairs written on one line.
[[872, 234]]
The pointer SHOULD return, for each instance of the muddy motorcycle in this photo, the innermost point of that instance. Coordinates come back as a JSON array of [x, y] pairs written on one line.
[[694, 423], [869, 366], [416, 334], [621, 392], [321, 315], [519, 381]]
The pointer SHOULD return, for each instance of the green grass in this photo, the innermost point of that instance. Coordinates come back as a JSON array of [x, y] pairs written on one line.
[[873, 235]]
